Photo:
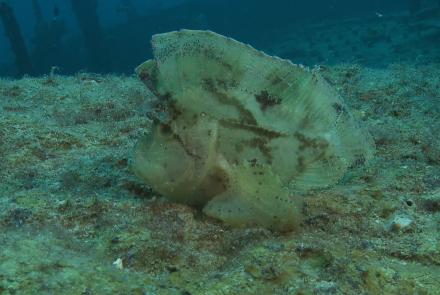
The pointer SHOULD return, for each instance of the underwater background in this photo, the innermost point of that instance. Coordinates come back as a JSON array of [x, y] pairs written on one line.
[[74, 219], [113, 36]]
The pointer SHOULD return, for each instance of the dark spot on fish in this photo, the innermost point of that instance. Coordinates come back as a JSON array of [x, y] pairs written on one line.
[[301, 164], [165, 128], [276, 80], [359, 161], [338, 108], [266, 100], [253, 162]]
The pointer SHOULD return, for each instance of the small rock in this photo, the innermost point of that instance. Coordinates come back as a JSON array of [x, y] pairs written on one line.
[[118, 263], [325, 287], [399, 223]]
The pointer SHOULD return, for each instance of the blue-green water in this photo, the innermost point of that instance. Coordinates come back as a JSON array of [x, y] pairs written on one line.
[[113, 36]]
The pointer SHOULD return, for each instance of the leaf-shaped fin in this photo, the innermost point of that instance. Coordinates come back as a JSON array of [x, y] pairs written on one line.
[[255, 197]]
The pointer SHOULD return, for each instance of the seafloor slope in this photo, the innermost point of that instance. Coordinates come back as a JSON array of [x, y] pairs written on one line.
[[74, 220]]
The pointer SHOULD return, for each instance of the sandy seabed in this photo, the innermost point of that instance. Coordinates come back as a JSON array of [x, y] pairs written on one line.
[[75, 220]]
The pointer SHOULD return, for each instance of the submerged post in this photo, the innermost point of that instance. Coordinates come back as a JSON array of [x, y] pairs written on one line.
[[37, 11], [13, 33], [87, 17]]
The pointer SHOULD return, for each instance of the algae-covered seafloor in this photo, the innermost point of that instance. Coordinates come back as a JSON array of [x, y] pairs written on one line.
[[75, 220]]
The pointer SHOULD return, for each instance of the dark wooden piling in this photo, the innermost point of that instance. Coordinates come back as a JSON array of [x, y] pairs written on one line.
[[18, 45], [87, 17]]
